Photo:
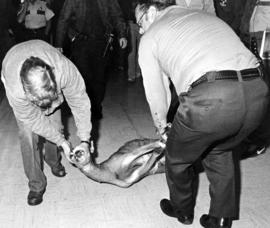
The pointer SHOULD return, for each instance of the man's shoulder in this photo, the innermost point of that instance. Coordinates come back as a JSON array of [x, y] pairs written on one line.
[[20, 52]]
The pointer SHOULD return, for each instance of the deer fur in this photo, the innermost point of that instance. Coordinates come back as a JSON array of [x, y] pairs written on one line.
[[133, 161]]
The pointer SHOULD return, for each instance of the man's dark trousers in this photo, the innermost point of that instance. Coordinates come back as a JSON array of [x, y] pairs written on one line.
[[213, 116], [88, 56]]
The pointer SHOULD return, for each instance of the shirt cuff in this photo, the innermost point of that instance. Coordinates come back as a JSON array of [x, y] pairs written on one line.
[[60, 141]]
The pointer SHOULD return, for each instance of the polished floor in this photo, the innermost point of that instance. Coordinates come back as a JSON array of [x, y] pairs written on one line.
[[78, 202]]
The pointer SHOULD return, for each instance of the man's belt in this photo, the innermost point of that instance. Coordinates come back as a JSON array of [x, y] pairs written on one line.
[[247, 74], [35, 30]]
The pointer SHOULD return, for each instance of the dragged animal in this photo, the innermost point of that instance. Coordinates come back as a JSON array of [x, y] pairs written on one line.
[[133, 161]]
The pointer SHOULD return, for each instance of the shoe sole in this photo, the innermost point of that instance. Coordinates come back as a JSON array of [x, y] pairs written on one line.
[[34, 204]]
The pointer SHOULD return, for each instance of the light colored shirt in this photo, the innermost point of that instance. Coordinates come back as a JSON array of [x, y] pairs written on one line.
[[183, 45], [69, 82], [37, 15], [203, 5], [260, 19]]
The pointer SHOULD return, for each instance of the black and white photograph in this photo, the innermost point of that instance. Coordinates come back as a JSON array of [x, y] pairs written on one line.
[[134, 113]]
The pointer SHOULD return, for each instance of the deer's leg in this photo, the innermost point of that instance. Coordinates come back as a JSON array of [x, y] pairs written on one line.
[[135, 154]]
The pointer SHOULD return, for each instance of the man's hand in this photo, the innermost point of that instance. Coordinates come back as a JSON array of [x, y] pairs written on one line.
[[163, 132], [66, 146], [60, 49], [10, 32], [25, 3], [123, 42]]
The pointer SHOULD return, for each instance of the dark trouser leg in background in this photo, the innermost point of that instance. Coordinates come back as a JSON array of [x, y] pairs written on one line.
[[88, 57], [133, 65]]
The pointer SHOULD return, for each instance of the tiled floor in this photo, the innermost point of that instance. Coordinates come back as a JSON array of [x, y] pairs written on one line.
[[78, 202]]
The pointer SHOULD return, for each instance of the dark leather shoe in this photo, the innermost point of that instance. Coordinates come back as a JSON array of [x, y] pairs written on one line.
[[59, 170], [35, 198], [168, 209], [209, 221]]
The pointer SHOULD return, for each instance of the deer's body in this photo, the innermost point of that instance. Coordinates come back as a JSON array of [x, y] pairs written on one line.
[[132, 162]]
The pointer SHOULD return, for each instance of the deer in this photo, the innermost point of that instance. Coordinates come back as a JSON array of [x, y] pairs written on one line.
[[132, 162]]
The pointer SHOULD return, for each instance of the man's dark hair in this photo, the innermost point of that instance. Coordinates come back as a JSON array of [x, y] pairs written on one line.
[[159, 4]]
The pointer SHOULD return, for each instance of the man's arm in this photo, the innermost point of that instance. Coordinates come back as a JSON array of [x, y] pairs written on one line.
[[208, 6], [22, 12], [117, 18], [49, 14], [33, 118], [73, 88], [48, 27], [62, 24], [245, 20], [153, 80]]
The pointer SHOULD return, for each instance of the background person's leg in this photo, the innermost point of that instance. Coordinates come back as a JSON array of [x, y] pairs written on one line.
[[132, 55], [88, 57]]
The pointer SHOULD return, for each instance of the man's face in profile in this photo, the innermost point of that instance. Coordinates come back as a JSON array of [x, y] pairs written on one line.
[[141, 19]]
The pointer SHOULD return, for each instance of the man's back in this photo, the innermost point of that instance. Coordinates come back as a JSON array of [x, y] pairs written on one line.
[[17, 55], [189, 43]]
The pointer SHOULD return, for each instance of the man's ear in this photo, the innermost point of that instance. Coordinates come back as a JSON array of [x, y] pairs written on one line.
[[152, 13]]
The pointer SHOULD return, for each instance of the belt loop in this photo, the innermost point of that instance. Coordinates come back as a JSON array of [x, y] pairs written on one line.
[[211, 76], [261, 71], [239, 76]]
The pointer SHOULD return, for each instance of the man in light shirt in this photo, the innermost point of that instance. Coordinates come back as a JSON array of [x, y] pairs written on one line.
[[256, 19], [222, 99], [36, 18], [37, 78]]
